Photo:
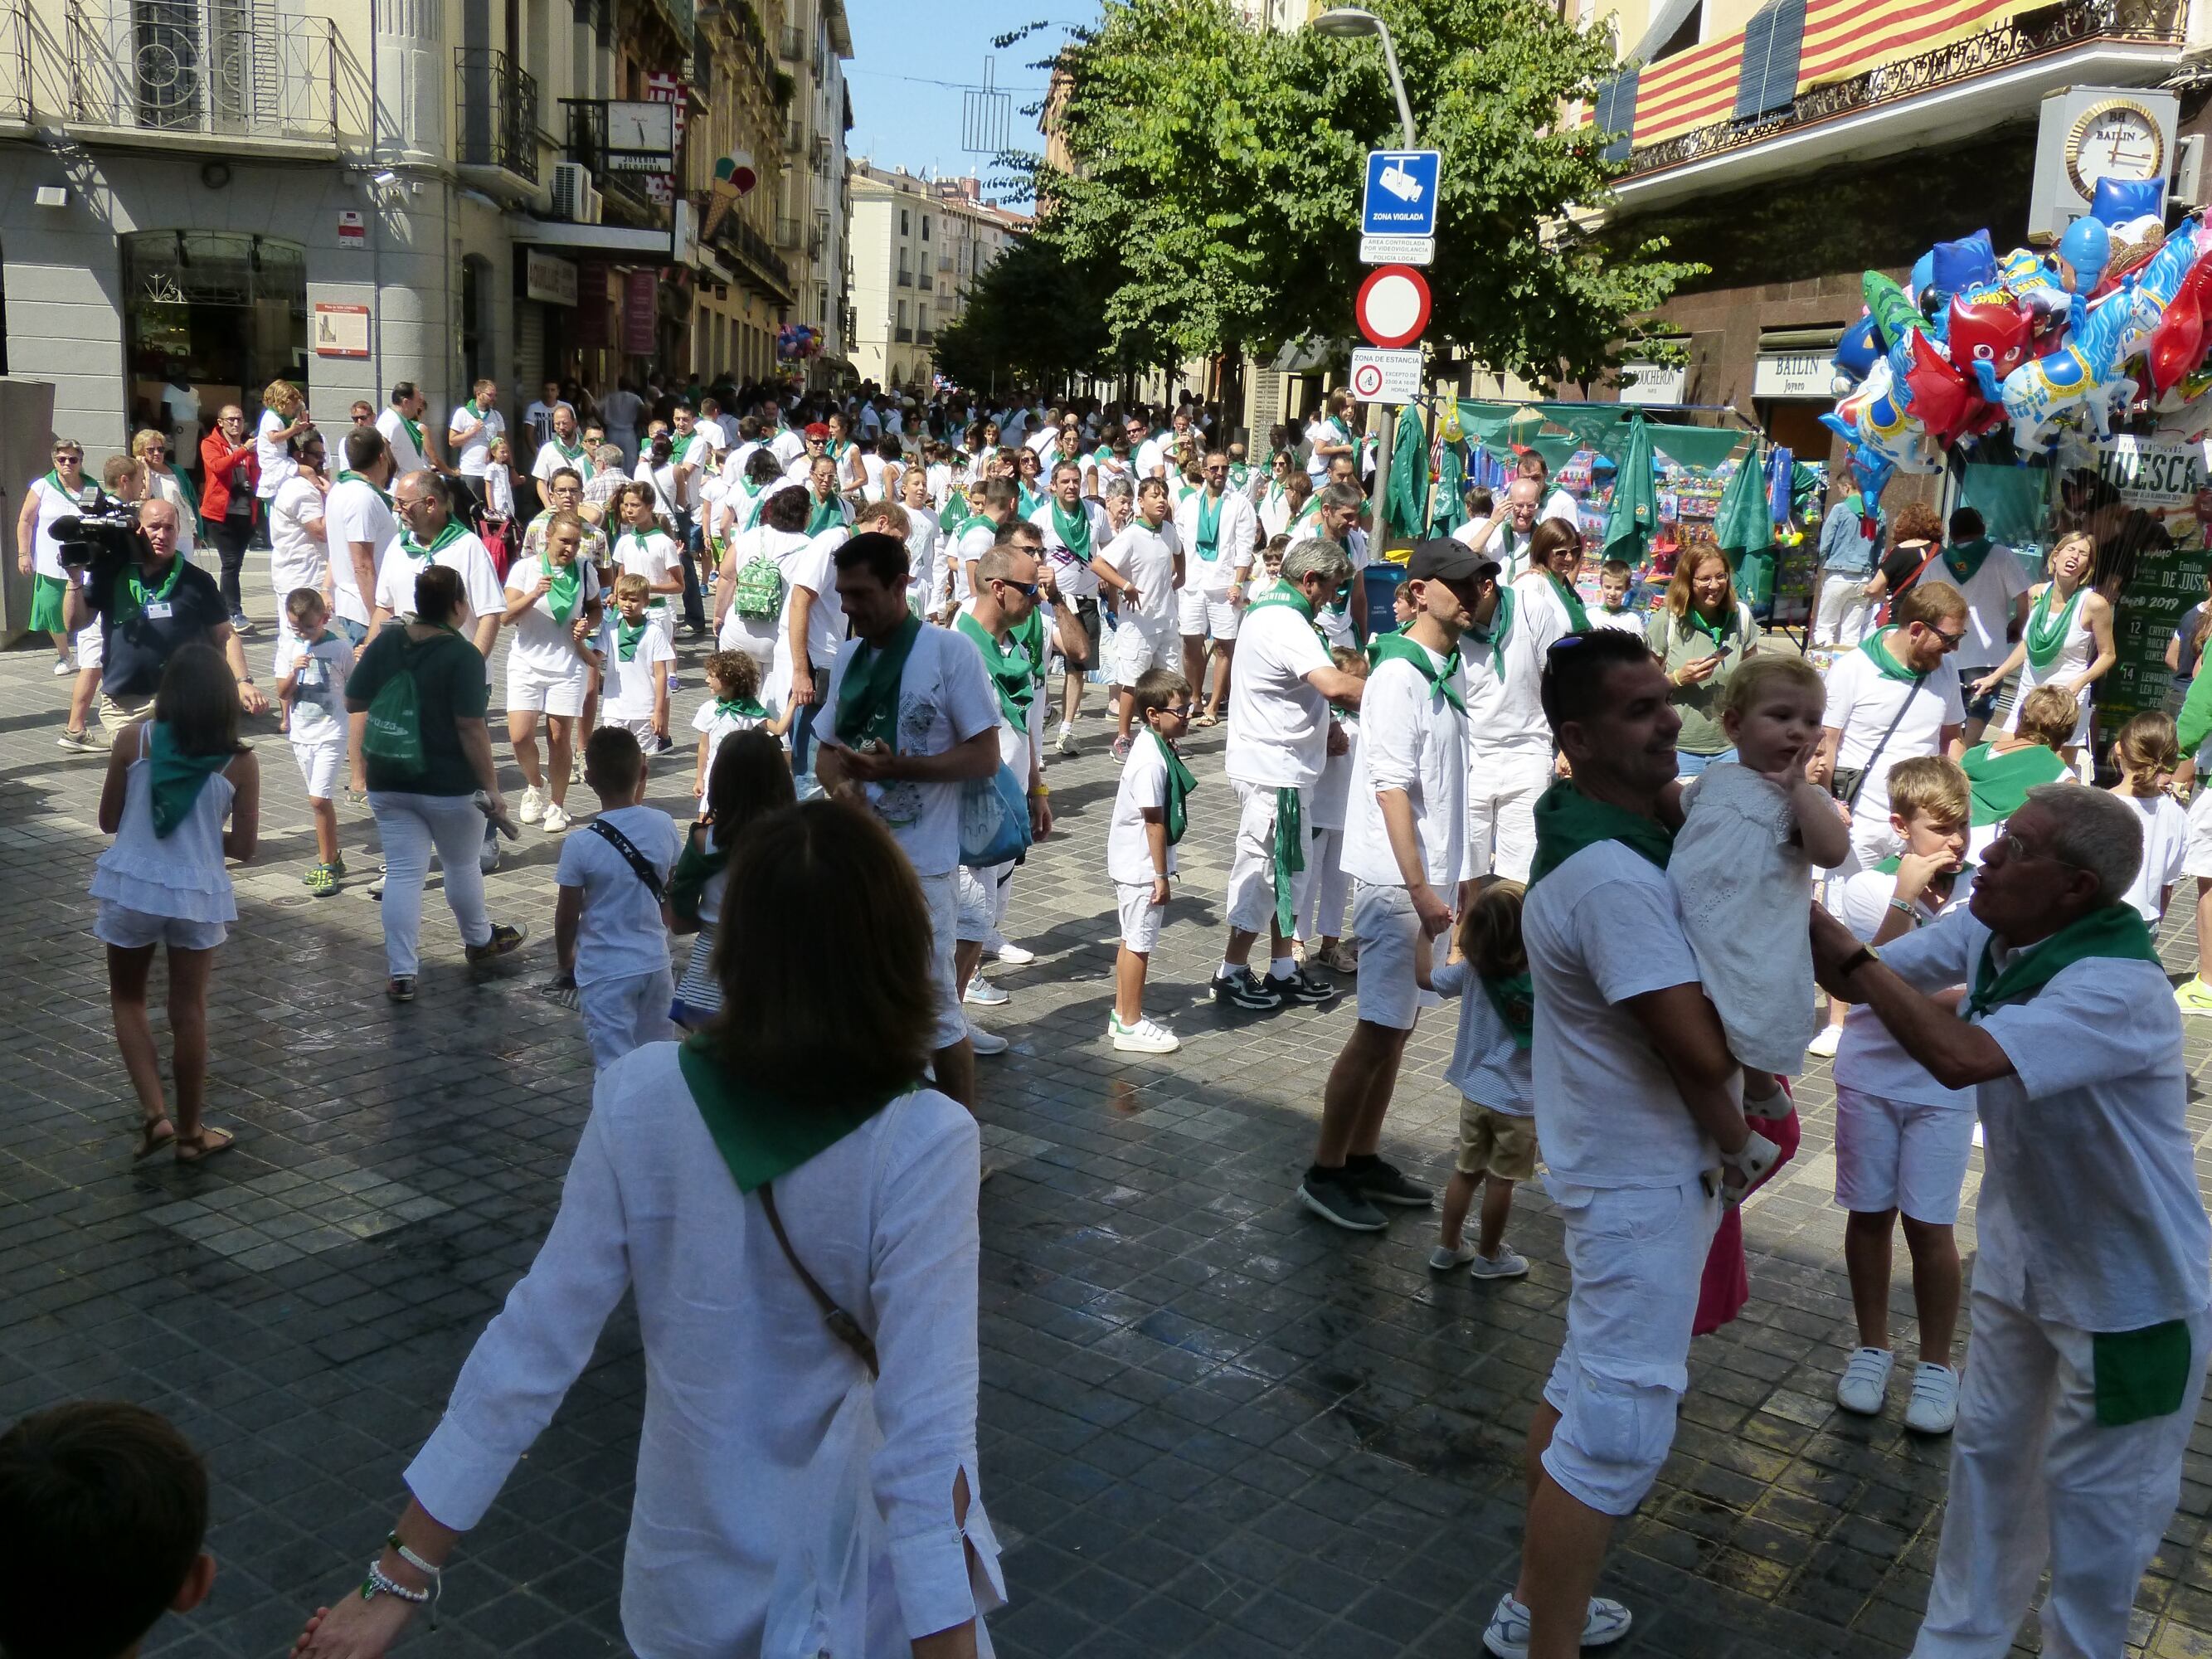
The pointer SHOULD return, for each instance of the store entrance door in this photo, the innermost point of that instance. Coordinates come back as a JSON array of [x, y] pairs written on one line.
[[227, 314]]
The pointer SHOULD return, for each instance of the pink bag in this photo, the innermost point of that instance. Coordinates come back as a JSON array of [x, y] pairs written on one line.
[[1726, 1285]]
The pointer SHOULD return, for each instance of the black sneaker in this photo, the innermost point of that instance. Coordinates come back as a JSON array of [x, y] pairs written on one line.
[[1335, 1202], [504, 939], [1384, 1183], [1245, 989], [1302, 987], [401, 988]]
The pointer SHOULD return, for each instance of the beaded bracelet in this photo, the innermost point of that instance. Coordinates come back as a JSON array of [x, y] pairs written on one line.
[[381, 1583]]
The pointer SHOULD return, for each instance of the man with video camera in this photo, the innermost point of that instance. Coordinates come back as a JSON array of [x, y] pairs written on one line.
[[149, 600]]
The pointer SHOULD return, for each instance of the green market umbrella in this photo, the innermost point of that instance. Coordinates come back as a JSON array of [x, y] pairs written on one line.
[[1635, 497], [1744, 527], [1448, 510], [1405, 500]]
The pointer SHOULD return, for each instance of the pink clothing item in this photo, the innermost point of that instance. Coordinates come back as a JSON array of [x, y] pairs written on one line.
[[1726, 1285]]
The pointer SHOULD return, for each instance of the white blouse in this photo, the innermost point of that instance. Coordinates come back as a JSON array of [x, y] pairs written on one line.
[[766, 1459]]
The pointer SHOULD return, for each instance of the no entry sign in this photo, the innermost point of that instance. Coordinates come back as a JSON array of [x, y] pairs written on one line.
[[1393, 308]]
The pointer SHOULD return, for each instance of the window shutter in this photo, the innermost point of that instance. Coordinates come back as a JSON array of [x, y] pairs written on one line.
[[1772, 42], [1616, 114]]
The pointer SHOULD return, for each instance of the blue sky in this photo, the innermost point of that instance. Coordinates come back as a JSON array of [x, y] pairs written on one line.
[[903, 49]]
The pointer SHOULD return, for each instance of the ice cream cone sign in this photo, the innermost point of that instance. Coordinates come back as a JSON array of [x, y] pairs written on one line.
[[734, 176]]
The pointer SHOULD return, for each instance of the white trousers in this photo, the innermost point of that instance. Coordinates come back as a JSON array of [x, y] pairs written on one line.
[[411, 828], [1252, 864], [982, 901], [1845, 611], [2035, 1480], [1321, 916]]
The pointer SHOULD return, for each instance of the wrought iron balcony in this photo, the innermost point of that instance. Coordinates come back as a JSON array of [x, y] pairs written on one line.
[[905, 277], [220, 68], [495, 113], [626, 182], [903, 335], [925, 336], [791, 44], [787, 234]]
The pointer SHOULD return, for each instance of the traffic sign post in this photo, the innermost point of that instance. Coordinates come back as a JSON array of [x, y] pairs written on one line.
[[1400, 198], [1397, 232], [1393, 306]]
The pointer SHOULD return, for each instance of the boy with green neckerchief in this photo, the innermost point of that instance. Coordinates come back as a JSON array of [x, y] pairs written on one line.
[[1149, 817]]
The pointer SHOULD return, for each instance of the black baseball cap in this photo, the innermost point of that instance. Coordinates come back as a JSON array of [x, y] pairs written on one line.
[[1442, 559]]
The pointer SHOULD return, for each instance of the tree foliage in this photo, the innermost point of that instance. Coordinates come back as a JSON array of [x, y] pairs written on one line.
[[1035, 317], [1219, 168]]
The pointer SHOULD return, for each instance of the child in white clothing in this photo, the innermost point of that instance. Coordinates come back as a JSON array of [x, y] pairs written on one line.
[[1491, 1070], [732, 705], [610, 922], [1330, 888], [1744, 859], [2145, 755], [633, 656], [1147, 822], [1614, 578], [311, 681]]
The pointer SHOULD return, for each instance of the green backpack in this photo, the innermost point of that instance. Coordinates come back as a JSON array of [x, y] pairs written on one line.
[[394, 733], [758, 591]]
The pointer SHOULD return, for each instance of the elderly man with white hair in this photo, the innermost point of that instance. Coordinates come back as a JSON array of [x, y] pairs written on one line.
[[2091, 1290]]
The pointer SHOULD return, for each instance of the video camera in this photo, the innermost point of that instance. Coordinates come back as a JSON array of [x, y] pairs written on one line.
[[105, 533]]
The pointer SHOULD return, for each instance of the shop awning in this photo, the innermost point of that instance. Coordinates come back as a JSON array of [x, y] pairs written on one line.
[[647, 247]]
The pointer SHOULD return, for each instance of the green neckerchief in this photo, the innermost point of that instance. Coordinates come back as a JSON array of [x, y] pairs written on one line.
[[415, 433], [475, 414], [1239, 475], [54, 477], [131, 593], [177, 780], [1515, 1000], [1028, 501], [454, 532], [1720, 632], [1008, 666], [1312, 507], [731, 709], [955, 505], [763, 1136], [1402, 647], [1290, 859], [1285, 594], [1500, 631], [626, 637], [189, 490], [840, 449], [1567, 821], [566, 586], [1180, 782], [572, 455], [1577, 618], [2047, 637], [1964, 559], [382, 495], [1877, 647], [1209, 526], [2000, 783], [1030, 637], [1342, 431], [867, 701], [1074, 530], [826, 515], [695, 867], [2116, 931]]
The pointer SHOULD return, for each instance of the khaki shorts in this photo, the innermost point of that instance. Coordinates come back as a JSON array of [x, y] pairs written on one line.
[[1495, 1143], [117, 714]]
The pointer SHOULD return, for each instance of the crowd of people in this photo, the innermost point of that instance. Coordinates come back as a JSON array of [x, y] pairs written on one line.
[[1594, 822]]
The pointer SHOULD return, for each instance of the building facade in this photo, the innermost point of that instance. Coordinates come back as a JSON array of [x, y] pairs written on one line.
[[919, 245], [812, 195]]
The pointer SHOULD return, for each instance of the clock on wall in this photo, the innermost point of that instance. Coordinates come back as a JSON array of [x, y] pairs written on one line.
[[642, 127], [2114, 138]]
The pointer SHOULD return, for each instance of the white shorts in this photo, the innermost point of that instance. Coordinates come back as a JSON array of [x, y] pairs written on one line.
[[2196, 856], [642, 730], [983, 895], [1636, 1255], [1388, 932], [1252, 865], [133, 930], [626, 1013], [943, 894], [541, 692], [1140, 917], [1140, 648], [319, 768], [1502, 790], [91, 646], [1198, 614], [1899, 1155]]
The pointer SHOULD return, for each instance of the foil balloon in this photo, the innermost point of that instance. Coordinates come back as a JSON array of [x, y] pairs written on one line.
[[2084, 375], [1856, 351], [2177, 344]]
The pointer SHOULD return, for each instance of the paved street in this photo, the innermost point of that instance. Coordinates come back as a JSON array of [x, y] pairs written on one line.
[[1210, 1425]]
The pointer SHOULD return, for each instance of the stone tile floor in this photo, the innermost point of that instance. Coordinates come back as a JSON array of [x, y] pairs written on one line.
[[1211, 1425]]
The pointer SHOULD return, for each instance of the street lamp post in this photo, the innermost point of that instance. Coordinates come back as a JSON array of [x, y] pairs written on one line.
[[1344, 23]]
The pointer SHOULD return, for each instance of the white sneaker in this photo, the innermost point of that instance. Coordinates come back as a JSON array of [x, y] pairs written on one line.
[[1823, 1045], [982, 993], [533, 804], [1934, 1406], [1144, 1037], [1864, 1385], [556, 819], [1508, 1263], [1444, 1260], [1507, 1633], [63, 666], [1065, 743], [1008, 952], [986, 1043]]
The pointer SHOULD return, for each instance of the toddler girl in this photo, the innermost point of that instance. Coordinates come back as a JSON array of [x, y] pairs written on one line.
[[732, 705], [750, 779], [1743, 862], [499, 505]]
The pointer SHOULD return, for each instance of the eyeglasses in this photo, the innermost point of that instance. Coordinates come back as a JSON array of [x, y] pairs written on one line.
[[1027, 589], [2011, 846], [1951, 642]]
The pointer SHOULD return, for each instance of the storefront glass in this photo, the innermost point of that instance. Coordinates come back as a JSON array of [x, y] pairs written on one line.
[[229, 312]]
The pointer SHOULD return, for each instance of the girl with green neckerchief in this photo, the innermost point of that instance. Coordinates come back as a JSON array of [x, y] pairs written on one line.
[[2068, 642]]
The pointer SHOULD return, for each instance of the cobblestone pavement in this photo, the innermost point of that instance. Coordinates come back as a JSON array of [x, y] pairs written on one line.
[[1211, 1425]]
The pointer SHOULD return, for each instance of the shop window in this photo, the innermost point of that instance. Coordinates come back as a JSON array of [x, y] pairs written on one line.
[[476, 279], [230, 310]]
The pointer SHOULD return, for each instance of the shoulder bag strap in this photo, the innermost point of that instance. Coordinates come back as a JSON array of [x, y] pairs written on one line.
[[843, 1326], [636, 859], [1897, 592], [1852, 799]]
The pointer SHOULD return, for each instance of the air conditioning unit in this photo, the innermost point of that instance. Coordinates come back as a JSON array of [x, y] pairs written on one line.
[[576, 199]]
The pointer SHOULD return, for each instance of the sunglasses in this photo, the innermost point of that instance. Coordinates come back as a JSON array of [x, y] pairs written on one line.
[[1028, 589]]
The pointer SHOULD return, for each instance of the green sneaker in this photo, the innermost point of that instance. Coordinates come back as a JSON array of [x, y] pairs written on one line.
[[322, 880], [2193, 996]]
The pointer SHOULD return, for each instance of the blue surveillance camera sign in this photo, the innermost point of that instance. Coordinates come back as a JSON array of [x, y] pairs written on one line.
[[1400, 198]]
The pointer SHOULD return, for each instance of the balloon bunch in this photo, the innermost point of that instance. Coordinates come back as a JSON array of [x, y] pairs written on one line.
[[2038, 340], [796, 340]]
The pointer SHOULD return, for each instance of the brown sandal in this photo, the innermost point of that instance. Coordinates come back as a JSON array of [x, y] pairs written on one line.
[[207, 1144], [150, 1141]]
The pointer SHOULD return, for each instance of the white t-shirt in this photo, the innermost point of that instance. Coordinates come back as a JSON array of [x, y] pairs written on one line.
[[297, 556], [1076, 578], [320, 671], [54, 505], [1144, 784], [2165, 839], [714, 726], [1319, 431], [2089, 1213], [1278, 723], [1561, 506], [1233, 544], [1147, 557], [1331, 805], [276, 459], [1410, 739], [975, 542], [813, 568], [1487, 1066], [630, 686], [1152, 458], [944, 699], [471, 434], [480, 593], [786, 445], [354, 511], [1505, 712], [654, 556], [925, 573], [1602, 928], [407, 455], [620, 931], [540, 642], [1868, 1059], [697, 452], [1335, 620], [1990, 596], [1862, 704], [551, 460]]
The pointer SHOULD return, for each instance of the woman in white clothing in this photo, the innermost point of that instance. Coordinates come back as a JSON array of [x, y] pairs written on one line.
[[2067, 640], [796, 1214]]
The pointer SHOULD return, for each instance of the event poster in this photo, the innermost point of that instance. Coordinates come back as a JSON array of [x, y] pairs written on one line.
[[2168, 483]]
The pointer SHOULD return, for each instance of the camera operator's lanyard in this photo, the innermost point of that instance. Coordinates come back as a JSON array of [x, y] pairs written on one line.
[[132, 597]]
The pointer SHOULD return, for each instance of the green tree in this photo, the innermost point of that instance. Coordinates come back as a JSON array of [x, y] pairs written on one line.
[[1220, 167], [1035, 317]]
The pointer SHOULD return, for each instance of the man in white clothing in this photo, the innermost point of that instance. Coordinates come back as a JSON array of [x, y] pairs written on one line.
[[401, 423], [1995, 584], [471, 431], [1509, 744], [432, 534], [1557, 504], [2090, 1320], [1405, 847], [1075, 533], [1219, 536], [537, 418], [360, 529], [562, 450], [1149, 549], [1504, 536]]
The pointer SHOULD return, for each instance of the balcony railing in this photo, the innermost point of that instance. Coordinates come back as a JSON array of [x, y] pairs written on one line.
[[925, 284], [744, 244], [621, 178], [905, 278], [791, 44], [788, 235], [2019, 40], [495, 113], [903, 335], [925, 336], [225, 68]]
